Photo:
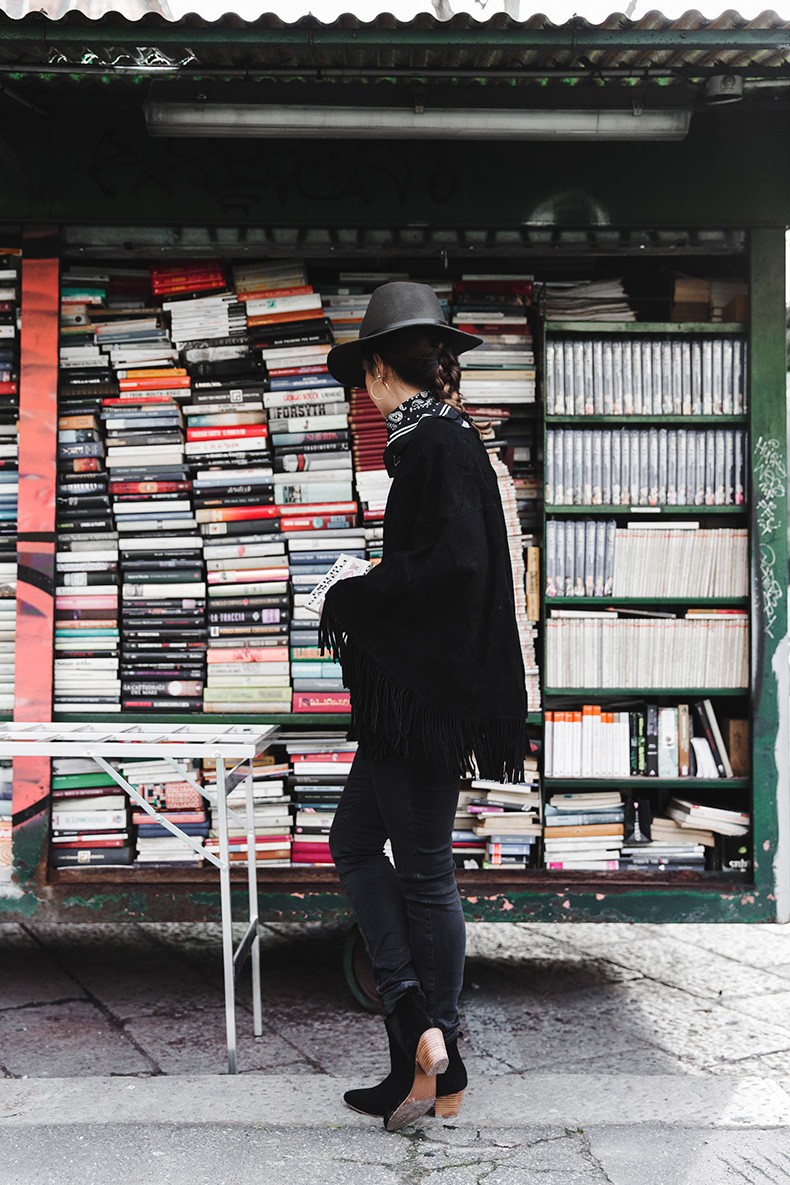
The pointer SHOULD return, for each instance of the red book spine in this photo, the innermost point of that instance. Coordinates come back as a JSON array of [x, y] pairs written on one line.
[[135, 397], [272, 293], [321, 701], [232, 514], [149, 487], [284, 371], [233, 433]]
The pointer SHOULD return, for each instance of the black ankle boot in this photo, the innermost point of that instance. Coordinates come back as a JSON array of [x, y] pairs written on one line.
[[373, 1100], [450, 1085], [417, 1055]]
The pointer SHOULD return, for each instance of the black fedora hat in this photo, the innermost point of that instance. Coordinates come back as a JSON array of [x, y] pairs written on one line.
[[397, 305]]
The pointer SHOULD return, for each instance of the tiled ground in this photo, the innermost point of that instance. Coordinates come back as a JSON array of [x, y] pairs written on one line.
[[147, 999]]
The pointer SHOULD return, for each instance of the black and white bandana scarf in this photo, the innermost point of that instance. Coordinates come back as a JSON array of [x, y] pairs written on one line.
[[404, 419]]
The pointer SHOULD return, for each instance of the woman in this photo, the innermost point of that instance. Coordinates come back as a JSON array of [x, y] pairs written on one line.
[[430, 653]]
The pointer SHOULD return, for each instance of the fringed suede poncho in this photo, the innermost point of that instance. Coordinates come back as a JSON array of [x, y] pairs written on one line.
[[428, 639]]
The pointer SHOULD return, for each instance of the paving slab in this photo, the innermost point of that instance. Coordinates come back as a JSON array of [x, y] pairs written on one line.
[[76, 1034], [689, 1157], [28, 975]]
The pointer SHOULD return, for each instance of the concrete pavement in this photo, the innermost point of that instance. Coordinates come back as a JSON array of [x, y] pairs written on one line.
[[599, 1054]]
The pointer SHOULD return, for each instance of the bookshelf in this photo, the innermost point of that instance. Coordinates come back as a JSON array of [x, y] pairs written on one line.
[[570, 350], [313, 893]]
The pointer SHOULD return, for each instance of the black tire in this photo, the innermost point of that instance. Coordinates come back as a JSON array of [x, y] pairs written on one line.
[[359, 972]]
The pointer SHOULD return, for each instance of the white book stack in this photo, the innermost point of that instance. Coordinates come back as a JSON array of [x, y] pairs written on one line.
[[583, 831], [589, 557], [601, 650], [527, 629]]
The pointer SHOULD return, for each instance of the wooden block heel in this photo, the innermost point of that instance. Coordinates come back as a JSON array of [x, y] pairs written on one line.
[[432, 1052], [448, 1106]]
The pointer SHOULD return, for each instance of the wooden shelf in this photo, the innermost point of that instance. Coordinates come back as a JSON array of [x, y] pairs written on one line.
[[657, 602], [665, 328], [664, 783], [675, 420], [649, 512], [470, 881]]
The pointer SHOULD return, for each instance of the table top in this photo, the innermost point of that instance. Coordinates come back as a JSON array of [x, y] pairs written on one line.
[[87, 738]]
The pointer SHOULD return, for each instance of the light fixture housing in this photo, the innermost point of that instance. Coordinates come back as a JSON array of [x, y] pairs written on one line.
[[724, 88], [295, 121]]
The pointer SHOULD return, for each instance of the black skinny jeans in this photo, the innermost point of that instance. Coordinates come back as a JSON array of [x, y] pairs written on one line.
[[410, 915]]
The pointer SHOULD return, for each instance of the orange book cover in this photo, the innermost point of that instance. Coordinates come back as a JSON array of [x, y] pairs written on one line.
[[161, 383], [608, 830], [233, 514], [246, 654], [280, 318]]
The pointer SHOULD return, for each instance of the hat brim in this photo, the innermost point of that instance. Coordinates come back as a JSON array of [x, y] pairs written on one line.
[[345, 361]]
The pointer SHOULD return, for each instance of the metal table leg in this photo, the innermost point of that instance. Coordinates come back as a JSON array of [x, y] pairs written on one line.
[[227, 917]]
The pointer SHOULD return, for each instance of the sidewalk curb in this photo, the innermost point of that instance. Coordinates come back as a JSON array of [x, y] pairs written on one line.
[[315, 1101]]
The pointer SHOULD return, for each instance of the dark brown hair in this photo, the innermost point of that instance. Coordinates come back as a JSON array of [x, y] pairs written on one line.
[[422, 360]]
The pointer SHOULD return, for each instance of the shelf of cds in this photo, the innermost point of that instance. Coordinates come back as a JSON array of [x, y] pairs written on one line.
[[646, 583]]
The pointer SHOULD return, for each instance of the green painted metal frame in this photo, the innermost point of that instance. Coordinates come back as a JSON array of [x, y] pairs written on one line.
[[541, 896]]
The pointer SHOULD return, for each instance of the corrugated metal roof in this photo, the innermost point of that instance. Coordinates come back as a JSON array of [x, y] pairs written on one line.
[[444, 40], [557, 12]]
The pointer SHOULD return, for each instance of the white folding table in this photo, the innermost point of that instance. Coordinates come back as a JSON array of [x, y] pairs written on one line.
[[232, 747]]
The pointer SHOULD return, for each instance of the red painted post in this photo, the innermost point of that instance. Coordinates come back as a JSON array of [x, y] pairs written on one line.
[[38, 433]]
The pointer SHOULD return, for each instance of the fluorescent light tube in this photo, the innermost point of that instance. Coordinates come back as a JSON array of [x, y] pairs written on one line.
[[281, 120]]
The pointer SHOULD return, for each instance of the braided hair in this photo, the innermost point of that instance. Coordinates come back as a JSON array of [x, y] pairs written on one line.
[[422, 360]]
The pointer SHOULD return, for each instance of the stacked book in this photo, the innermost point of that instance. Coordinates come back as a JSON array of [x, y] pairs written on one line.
[[163, 579], [313, 490], [651, 740], [90, 816], [271, 816], [589, 649], [587, 300], [526, 618], [345, 306], [499, 376], [87, 635], [368, 441], [716, 819], [583, 831], [167, 787], [669, 847], [249, 615], [317, 679], [643, 376], [593, 557], [469, 849], [6, 797], [9, 468], [186, 277], [320, 764], [507, 817], [645, 467]]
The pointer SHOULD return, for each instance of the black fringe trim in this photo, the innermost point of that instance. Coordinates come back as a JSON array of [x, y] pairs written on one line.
[[390, 719]]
